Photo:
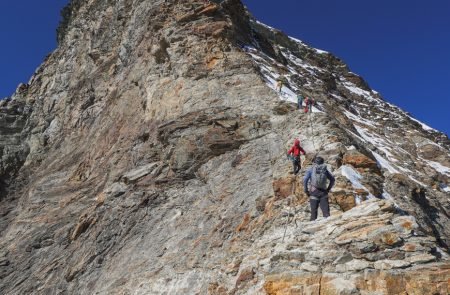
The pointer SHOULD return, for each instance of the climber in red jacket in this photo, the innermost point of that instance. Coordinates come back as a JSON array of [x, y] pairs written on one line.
[[309, 102], [294, 154]]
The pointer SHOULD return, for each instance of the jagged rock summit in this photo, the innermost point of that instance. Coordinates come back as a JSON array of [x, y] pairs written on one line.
[[147, 155]]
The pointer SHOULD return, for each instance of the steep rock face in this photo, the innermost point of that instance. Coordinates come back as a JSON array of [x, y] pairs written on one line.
[[391, 146], [13, 116], [147, 156], [13, 150]]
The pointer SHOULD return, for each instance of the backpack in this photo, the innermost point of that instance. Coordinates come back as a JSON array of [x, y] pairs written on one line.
[[319, 177]]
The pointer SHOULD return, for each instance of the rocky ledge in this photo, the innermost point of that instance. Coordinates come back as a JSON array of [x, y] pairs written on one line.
[[370, 249]]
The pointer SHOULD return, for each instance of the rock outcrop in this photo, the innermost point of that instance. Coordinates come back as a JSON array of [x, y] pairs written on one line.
[[147, 155]]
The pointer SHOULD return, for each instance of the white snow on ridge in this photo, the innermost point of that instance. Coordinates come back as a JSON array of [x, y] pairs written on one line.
[[430, 142], [356, 90], [416, 181], [347, 84], [359, 119], [293, 38], [387, 195], [384, 163], [288, 95], [445, 188], [378, 142], [384, 145], [270, 74], [297, 40], [438, 167], [424, 126], [264, 25], [354, 177], [300, 63], [320, 51]]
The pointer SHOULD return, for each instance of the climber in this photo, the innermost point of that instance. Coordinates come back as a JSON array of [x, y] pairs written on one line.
[[309, 102], [279, 85], [299, 101], [294, 155], [281, 81], [316, 188]]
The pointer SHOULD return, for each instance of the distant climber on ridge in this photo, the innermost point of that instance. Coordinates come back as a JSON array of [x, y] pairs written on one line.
[[299, 101], [294, 154], [309, 102], [316, 188], [279, 85]]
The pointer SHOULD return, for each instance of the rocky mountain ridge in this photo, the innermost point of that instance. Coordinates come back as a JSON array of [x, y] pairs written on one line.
[[147, 156]]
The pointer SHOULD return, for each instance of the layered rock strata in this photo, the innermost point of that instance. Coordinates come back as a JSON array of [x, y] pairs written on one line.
[[146, 155]]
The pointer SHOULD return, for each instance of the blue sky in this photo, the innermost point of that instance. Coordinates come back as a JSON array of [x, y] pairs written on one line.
[[400, 47], [28, 35]]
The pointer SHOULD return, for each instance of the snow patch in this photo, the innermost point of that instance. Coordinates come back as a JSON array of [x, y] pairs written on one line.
[[380, 143], [424, 126], [264, 25], [354, 177], [444, 187], [303, 44], [358, 91], [383, 163], [359, 119], [297, 40], [438, 167], [416, 181], [271, 75], [387, 195], [320, 51]]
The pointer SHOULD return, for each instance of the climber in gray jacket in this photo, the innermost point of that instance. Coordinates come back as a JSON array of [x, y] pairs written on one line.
[[316, 187]]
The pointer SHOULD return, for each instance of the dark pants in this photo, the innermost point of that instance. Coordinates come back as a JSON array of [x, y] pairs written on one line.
[[319, 198], [297, 164]]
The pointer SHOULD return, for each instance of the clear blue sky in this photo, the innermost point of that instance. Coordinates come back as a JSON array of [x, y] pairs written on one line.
[[401, 47], [28, 35]]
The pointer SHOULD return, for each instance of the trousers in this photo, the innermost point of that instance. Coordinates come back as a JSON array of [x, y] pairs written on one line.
[[319, 198], [296, 162]]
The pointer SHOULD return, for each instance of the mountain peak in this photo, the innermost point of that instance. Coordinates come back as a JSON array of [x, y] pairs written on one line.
[[147, 155]]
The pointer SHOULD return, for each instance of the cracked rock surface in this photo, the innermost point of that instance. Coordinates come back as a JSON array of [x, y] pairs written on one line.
[[147, 155]]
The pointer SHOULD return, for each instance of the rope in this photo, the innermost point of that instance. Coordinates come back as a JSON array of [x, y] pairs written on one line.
[[311, 125], [313, 135], [287, 220], [295, 182]]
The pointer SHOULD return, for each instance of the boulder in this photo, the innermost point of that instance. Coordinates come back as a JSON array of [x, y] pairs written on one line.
[[359, 160], [390, 264], [136, 174], [353, 265], [421, 258]]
